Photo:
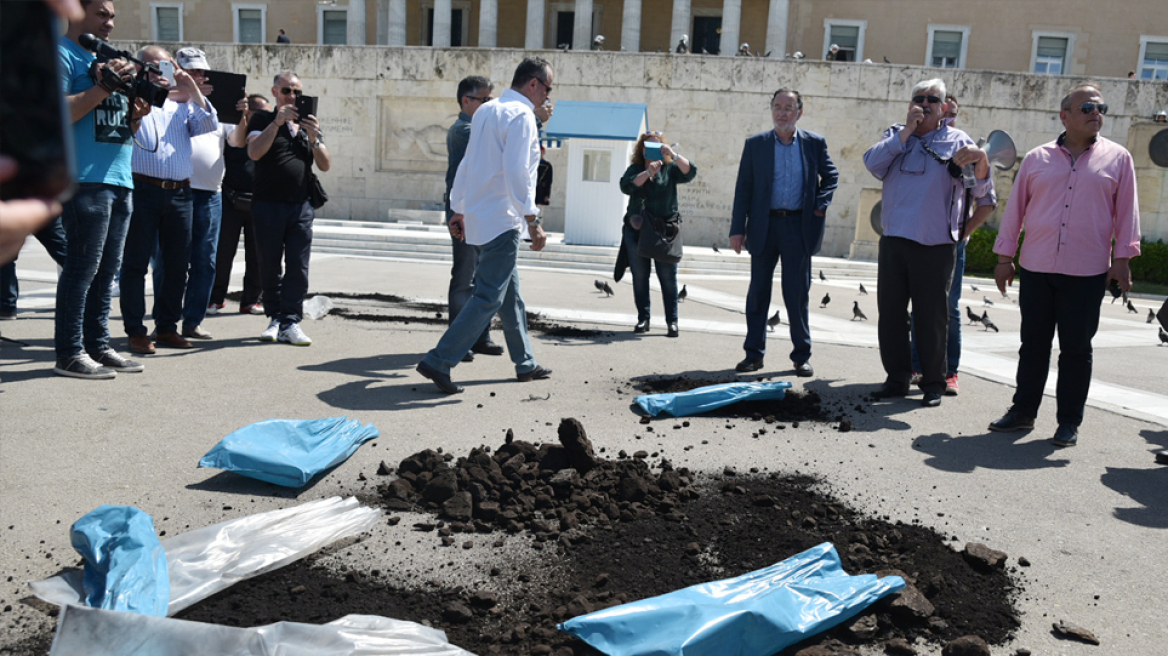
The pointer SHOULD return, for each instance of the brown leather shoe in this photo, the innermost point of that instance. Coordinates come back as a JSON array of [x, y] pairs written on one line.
[[172, 339], [141, 345]]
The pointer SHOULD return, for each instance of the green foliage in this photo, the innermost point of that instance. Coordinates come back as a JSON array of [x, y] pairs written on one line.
[[1151, 266], [979, 252]]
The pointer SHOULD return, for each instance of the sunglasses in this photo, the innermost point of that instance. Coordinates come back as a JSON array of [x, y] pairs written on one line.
[[482, 100], [920, 100], [1089, 107], [290, 90], [652, 133], [545, 85]]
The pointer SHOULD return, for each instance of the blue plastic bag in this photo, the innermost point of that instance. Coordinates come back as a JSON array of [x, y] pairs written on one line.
[[756, 614], [288, 452], [125, 564], [711, 397]]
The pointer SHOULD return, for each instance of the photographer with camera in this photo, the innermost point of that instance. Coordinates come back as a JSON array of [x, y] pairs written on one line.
[[163, 204], [96, 218]]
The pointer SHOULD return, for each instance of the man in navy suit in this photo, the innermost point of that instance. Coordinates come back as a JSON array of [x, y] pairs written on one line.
[[785, 183]]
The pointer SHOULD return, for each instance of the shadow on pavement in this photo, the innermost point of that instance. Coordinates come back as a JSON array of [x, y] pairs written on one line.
[[966, 453], [1147, 487], [232, 483]]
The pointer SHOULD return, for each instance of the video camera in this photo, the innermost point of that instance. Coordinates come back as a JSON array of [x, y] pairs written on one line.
[[138, 86]]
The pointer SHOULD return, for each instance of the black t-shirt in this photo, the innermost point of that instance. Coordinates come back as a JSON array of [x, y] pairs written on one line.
[[240, 170], [281, 175]]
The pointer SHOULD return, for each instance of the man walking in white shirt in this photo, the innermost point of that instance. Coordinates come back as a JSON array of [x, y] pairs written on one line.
[[493, 198]]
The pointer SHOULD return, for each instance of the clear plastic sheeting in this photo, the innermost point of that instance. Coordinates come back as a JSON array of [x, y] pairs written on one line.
[[206, 560], [756, 614], [85, 631], [317, 307], [125, 564], [288, 452], [710, 397]]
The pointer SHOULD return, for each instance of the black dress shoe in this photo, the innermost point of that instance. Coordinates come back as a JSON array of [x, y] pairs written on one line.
[[804, 369], [641, 327], [1012, 421], [931, 400], [1162, 457], [469, 357], [487, 347], [539, 373], [1065, 436], [748, 365], [440, 379], [672, 330], [891, 390]]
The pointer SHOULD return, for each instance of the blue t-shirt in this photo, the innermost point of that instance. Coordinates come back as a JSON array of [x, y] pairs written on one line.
[[102, 139]]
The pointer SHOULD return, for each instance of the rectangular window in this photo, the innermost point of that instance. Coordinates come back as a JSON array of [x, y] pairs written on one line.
[[1051, 55], [1153, 59], [947, 49], [250, 22], [459, 23], [848, 35], [597, 165], [334, 27], [167, 21]]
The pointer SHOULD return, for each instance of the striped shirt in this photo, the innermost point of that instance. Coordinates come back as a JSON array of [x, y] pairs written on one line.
[[162, 146]]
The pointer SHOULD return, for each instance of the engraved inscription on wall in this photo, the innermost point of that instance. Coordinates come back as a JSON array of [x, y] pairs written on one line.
[[412, 137]]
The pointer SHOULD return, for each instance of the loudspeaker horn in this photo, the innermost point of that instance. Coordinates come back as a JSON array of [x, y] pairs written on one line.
[[1000, 150]]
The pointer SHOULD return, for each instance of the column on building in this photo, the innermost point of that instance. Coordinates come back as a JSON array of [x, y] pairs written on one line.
[[488, 23], [395, 20], [533, 36], [731, 24], [442, 10], [356, 23], [631, 26], [681, 14], [777, 13], [582, 26]]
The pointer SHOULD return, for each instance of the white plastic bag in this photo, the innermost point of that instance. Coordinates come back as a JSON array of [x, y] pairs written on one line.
[[317, 307], [206, 560], [84, 631]]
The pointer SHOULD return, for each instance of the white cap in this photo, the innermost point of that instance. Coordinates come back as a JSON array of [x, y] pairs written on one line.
[[190, 58], [685, 37], [599, 37], [745, 46], [834, 47]]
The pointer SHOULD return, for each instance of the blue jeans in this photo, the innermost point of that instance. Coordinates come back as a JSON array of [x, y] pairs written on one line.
[[283, 233], [95, 222], [666, 276], [784, 243], [953, 341], [161, 219], [496, 291], [462, 269], [206, 216], [52, 237]]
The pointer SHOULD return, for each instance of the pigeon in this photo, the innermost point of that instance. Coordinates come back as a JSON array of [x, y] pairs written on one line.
[[973, 318], [602, 285], [682, 294], [768, 53], [857, 313], [1151, 315], [987, 300], [715, 247], [1131, 308], [775, 320], [826, 299], [973, 287], [1163, 336], [822, 278], [989, 325], [886, 60], [862, 290]]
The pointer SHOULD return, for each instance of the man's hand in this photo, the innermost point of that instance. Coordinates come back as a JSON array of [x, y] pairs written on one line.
[[737, 242], [1121, 272], [243, 108], [311, 127], [457, 227], [20, 218], [544, 112], [538, 237], [916, 115], [141, 108], [1004, 275], [973, 155], [124, 69], [285, 113]]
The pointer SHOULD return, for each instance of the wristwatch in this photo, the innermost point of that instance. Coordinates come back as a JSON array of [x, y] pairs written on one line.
[[536, 221]]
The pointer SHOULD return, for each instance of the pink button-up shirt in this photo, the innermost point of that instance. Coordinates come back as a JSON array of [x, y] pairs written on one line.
[[1072, 211]]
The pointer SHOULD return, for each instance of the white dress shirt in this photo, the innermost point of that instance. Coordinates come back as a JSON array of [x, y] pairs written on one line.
[[495, 184]]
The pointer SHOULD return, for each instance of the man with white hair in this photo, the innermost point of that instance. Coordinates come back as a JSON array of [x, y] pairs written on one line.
[[922, 208]]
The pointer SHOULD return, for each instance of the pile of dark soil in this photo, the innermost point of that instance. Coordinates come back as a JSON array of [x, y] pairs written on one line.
[[623, 530]]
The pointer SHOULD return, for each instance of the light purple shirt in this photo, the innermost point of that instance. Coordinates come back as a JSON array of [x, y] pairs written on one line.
[[921, 201]]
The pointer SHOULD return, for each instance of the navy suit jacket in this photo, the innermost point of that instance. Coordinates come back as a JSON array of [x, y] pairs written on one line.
[[756, 175]]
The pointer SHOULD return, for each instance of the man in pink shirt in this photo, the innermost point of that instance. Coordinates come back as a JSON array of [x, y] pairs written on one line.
[[1073, 196]]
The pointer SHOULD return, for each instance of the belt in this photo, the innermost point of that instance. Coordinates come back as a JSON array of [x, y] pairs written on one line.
[[165, 184], [778, 214]]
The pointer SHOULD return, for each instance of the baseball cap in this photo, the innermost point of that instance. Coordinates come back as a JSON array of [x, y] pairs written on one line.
[[192, 58]]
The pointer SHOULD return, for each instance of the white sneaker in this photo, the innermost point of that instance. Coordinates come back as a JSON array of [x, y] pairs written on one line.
[[294, 335], [270, 333]]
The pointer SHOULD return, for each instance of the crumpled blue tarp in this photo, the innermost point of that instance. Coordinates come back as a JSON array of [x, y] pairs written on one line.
[[711, 397], [288, 452], [756, 614], [125, 564]]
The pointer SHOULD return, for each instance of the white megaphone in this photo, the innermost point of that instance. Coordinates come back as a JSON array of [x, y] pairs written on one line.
[[1000, 152]]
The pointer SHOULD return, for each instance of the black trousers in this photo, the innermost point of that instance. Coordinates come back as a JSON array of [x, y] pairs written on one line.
[[283, 236], [234, 222], [910, 272], [1070, 304]]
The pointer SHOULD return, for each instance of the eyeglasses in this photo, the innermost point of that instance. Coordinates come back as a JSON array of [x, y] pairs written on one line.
[[920, 100], [290, 90], [1089, 107], [545, 85], [482, 100]]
